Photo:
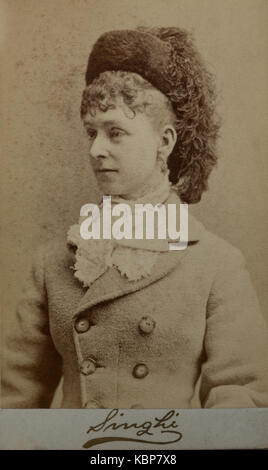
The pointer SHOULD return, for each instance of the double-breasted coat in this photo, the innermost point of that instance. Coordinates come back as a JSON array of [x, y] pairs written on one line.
[[188, 335]]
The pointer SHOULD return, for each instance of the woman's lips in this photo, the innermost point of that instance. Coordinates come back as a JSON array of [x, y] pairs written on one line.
[[106, 170], [106, 173]]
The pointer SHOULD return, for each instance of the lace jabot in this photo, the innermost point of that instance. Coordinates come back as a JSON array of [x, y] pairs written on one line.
[[133, 258]]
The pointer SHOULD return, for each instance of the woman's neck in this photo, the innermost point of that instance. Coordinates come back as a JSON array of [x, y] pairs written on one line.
[[157, 192], [155, 183]]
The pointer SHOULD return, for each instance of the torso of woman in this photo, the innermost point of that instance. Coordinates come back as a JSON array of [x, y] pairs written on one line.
[[182, 337]]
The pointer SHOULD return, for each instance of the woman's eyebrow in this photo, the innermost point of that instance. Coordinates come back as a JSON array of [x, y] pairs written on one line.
[[88, 123], [109, 122], [114, 123]]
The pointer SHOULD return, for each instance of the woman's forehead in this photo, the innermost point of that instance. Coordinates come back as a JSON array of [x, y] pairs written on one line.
[[104, 117], [115, 116]]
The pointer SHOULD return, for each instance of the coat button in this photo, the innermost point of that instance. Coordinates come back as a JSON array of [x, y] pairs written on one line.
[[146, 325], [92, 404], [82, 325], [88, 366], [140, 371]]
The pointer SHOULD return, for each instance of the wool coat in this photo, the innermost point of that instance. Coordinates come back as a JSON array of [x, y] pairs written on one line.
[[189, 335]]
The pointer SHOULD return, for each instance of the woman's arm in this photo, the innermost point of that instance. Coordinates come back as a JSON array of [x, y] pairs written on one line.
[[31, 365], [235, 374]]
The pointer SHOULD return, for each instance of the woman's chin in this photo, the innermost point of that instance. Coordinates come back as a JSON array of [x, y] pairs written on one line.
[[110, 188]]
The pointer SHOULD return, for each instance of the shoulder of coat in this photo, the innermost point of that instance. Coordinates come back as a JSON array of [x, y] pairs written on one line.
[[208, 241], [218, 248]]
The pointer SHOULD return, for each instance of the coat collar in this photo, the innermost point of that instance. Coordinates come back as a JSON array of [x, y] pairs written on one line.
[[111, 284]]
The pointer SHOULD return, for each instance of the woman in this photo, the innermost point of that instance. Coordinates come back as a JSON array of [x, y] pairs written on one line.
[[127, 322]]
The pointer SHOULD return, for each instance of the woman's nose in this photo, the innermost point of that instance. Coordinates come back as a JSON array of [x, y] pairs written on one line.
[[99, 148]]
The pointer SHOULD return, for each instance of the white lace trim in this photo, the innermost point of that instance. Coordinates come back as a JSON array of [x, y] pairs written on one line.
[[94, 257]]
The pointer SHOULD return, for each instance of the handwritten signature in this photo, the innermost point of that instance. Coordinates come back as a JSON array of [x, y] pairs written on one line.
[[166, 425]]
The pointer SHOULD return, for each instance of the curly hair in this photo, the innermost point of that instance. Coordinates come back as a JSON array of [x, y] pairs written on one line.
[[131, 92], [189, 106]]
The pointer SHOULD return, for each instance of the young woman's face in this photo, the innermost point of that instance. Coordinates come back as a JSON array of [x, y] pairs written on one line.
[[123, 151]]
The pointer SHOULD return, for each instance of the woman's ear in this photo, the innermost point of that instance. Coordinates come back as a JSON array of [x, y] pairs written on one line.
[[168, 141]]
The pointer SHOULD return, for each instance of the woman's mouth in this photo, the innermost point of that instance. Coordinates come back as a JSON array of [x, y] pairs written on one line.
[[106, 173], [106, 170]]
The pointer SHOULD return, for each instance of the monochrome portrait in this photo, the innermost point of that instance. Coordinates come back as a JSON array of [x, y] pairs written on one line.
[[117, 114]]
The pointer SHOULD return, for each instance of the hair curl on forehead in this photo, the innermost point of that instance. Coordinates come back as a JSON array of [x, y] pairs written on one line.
[[129, 91], [191, 95]]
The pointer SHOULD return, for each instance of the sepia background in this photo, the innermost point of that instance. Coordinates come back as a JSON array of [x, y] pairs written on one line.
[[45, 174]]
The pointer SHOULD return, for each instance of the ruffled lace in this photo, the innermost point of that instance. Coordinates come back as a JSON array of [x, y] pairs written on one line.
[[93, 257]]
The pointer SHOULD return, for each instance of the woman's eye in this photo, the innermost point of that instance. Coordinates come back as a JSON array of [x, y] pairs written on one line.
[[116, 133], [91, 133]]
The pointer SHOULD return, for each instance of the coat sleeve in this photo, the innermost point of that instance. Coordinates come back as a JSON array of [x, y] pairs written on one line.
[[31, 365], [235, 372]]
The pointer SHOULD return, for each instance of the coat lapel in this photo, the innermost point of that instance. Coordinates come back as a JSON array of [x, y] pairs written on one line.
[[112, 284]]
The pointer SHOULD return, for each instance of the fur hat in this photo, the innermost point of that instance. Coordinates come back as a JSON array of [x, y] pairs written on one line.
[[131, 51]]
